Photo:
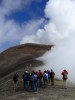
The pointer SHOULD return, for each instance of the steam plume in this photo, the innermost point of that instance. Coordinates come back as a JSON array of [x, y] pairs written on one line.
[[60, 30]]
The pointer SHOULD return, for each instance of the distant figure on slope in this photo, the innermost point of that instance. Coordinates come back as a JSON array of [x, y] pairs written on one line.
[[15, 79], [64, 76], [52, 74]]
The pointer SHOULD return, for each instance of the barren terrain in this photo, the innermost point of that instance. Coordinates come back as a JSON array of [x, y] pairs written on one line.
[[16, 59]]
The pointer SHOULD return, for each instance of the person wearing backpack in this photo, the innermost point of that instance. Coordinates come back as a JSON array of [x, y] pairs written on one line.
[[45, 78], [52, 74], [34, 81], [64, 77], [25, 78]]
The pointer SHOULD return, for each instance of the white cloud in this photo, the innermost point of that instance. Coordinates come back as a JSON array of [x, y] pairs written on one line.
[[62, 21], [8, 6], [30, 30], [11, 31], [62, 14]]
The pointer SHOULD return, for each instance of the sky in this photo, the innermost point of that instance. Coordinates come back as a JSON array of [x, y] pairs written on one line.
[[19, 18]]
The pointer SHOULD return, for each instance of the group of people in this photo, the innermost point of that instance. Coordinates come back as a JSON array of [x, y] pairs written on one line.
[[33, 80]]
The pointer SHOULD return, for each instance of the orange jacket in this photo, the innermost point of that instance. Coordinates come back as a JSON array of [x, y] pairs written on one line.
[[40, 74]]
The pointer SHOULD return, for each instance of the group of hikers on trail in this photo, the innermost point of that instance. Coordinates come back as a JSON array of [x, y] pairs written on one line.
[[37, 79]]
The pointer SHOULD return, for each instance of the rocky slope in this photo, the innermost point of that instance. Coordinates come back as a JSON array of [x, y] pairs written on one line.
[[17, 57]]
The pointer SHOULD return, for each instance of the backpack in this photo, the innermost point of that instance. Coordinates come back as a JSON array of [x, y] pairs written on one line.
[[25, 78], [45, 77], [65, 76], [15, 77], [34, 77]]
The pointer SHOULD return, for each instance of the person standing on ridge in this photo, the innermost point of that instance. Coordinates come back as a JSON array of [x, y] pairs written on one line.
[[64, 77]]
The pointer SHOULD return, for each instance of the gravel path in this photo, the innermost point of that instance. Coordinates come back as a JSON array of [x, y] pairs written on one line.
[[56, 92]]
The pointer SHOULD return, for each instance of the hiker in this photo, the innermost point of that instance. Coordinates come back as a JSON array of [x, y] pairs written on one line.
[[40, 76], [23, 80], [49, 76], [64, 77], [52, 74], [45, 78], [37, 77], [26, 80], [15, 79], [34, 81]]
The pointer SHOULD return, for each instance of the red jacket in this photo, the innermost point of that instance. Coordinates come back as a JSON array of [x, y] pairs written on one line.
[[64, 74]]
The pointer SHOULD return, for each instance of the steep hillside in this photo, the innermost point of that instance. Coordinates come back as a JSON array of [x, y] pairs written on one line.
[[16, 57]]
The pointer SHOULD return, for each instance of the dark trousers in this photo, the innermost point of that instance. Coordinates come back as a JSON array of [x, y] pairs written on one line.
[[26, 84], [45, 82], [40, 82], [34, 85], [52, 81]]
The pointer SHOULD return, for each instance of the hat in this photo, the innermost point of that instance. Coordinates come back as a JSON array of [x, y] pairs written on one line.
[[26, 71]]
